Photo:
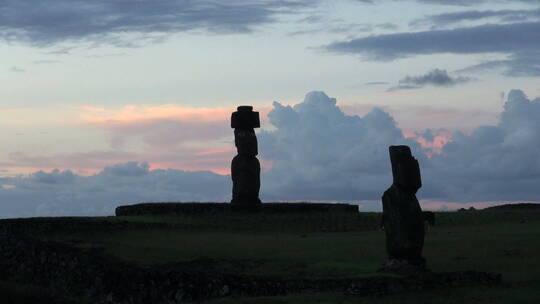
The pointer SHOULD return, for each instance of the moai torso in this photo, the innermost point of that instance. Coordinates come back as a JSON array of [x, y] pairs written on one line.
[[245, 167], [402, 216]]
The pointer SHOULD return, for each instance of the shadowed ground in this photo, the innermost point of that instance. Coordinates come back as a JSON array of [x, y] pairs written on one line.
[[324, 246]]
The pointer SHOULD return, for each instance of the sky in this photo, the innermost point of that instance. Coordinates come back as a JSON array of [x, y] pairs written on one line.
[[106, 103]]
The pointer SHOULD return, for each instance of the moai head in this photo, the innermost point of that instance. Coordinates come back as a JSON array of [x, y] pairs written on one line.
[[244, 120], [405, 169]]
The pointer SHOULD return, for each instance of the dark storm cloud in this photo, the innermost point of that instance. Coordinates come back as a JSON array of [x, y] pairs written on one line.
[[42, 23], [435, 77], [475, 15], [519, 41], [471, 2], [488, 38], [449, 2], [520, 64], [402, 87], [319, 24], [452, 2]]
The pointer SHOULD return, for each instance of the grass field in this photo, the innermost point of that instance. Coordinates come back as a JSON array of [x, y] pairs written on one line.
[[336, 246]]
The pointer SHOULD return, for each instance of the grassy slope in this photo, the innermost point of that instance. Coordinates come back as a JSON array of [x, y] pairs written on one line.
[[337, 246], [11, 293]]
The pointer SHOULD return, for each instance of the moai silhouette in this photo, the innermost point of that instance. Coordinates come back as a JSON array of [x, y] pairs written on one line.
[[245, 167], [403, 220]]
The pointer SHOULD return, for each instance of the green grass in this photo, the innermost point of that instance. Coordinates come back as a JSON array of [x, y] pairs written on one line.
[[291, 254], [12, 293], [336, 246], [508, 294]]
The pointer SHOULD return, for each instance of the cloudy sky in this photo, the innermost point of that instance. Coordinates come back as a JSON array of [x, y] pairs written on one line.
[[104, 103]]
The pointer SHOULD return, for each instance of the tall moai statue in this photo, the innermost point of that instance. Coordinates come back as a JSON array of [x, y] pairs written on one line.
[[403, 220], [245, 167]]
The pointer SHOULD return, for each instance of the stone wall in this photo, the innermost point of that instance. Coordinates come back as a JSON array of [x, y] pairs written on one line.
[[221, 208]]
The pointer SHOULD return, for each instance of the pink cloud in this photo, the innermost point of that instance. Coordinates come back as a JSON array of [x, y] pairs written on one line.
[[166, 136], [137, 113], [214, 152], [195, 159], [434, 145], [215, 160], [171, 136]]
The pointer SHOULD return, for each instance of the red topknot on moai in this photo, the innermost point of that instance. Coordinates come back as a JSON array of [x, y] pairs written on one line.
[[245, 167]]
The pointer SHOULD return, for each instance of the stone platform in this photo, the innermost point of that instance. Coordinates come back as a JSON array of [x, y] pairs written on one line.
[[223, 208]]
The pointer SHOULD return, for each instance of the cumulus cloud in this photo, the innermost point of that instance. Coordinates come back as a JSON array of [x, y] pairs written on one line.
[[54, 177], [494, 162], [316, 152], [414, 118], [435, 77], [59, 193], [102, 21], [431, 140]]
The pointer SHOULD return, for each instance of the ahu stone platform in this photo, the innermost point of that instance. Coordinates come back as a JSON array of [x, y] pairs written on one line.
[[223, 208]]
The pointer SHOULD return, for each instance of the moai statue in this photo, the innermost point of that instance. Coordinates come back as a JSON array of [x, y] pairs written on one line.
[[245, 167], [403, 220]]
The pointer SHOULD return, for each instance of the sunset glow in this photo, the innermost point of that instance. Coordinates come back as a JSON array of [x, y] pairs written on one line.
[[133, 102], [435, 145], [133, 114]]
